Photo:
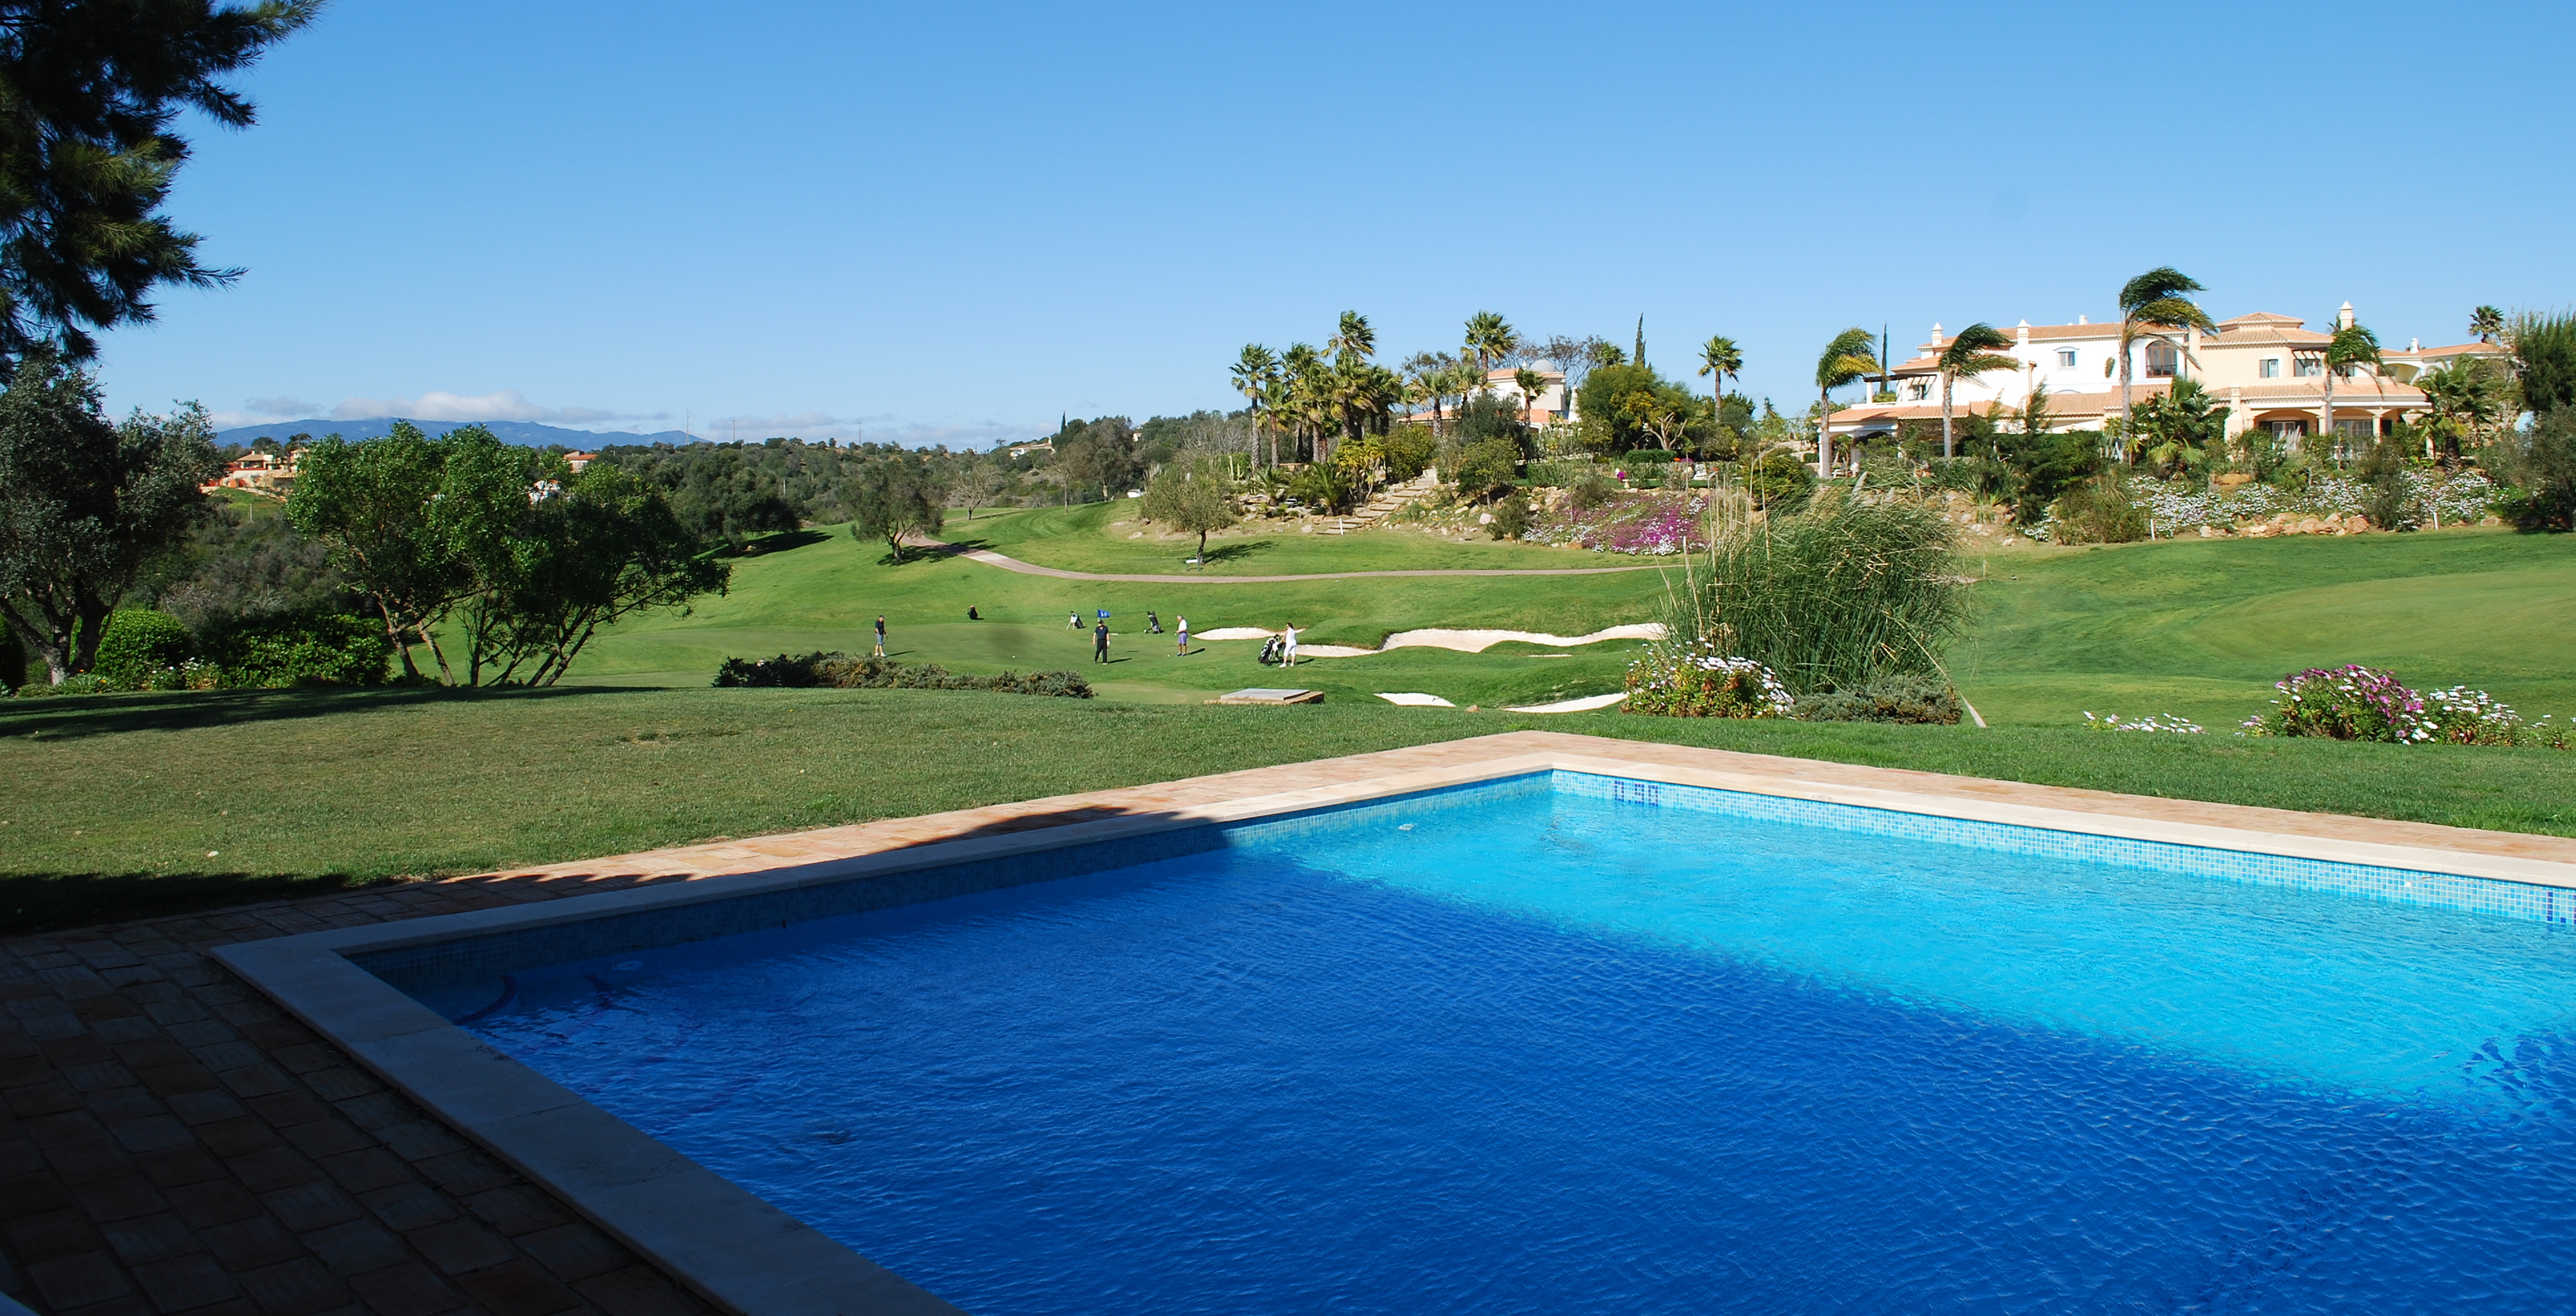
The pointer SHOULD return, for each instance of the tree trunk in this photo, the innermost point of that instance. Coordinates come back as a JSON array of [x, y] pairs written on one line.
[[1948, 450], [394, 633], [48, 644], [445, 673], [2328, 379], [2125, 343], [1824, 434], [90, 625]]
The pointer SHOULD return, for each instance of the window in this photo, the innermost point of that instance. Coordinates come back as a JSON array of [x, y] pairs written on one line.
[[2161, 359], [2066, 358], [2362, 428], [2288, 429], [2311, 366], [1917, 389], [2271, 367]]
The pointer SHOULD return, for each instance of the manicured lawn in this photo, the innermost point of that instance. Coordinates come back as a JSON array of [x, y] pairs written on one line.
[[110, 806]]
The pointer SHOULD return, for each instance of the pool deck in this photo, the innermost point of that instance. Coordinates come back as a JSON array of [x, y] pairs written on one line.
[[171, 1140]]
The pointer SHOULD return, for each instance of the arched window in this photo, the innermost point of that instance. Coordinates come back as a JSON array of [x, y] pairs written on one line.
[[2161, 359]]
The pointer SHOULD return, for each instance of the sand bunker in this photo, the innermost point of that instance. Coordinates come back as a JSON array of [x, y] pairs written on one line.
[[1462, 641], [1584, 705], [1417, 700]]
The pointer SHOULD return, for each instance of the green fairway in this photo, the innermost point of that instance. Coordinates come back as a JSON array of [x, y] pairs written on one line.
[[117, 806]]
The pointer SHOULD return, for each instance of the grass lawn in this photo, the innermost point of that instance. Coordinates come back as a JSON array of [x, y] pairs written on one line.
[[118, 806]]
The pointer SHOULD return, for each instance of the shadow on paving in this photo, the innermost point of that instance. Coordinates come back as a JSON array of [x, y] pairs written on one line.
[[43, 902], [66, 716]]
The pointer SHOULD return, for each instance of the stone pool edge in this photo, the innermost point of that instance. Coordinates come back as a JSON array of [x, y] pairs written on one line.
[[747, 1256]]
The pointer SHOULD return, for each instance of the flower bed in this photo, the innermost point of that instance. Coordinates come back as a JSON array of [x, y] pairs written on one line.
[[1658, 524], [2165, 722], [1698, 681]]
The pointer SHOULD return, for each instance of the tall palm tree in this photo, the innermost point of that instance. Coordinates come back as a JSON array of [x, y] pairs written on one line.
[[1531, 383], [2152, 301], [1354, 338], [1971, 353], [1466, 379], [1255, 371], [2351, 345], [1851, 357], [1490, 338], [1719, 359], [2487, 323]]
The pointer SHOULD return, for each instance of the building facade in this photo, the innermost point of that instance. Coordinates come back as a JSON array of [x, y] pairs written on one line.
[[2267, 370]]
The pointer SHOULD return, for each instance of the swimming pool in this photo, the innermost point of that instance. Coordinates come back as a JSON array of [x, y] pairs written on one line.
[[1571, 1043]]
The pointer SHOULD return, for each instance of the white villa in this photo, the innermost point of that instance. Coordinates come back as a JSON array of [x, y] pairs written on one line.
[[2267, 369], [1550, 404]]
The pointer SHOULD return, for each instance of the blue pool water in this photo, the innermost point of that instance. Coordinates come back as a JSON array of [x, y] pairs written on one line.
[[1526, 1050]]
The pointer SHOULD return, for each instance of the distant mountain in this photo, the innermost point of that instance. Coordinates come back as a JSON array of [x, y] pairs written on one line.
[[519, 432]]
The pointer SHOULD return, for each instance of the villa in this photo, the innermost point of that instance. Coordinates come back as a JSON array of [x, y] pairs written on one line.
[[2267, 369], [1550, 404], [259, 472]]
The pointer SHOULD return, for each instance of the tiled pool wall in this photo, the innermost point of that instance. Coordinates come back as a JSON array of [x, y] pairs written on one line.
[[2482, 895], [433, 964]]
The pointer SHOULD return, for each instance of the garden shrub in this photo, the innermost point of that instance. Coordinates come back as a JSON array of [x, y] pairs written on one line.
[[2462, 716], [2539, 465], [2345, 703], [326, 649], [138, 643], [1487, 468], [2100, 510], [1511, 516], [1780, 480], [1695, 680], [1848, 593], [840, 671], [1591, 490], [1910, 699]]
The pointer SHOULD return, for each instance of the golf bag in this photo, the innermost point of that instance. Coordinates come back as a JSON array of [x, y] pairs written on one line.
[[1273, 651]]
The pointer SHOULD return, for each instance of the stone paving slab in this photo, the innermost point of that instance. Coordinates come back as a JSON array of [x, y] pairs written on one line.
[[170, 1141]]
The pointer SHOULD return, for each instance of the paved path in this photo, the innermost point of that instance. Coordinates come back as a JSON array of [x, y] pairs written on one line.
[[170, 1141], [993, 559]]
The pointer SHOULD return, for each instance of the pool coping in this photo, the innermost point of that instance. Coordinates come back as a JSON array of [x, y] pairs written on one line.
[[747, 1256]]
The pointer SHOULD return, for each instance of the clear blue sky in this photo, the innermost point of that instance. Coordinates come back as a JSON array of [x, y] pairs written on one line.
[[954, 222]]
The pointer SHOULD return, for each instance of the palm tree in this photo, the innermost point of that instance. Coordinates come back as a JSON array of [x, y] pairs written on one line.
[[1354, 338], [1466, 379], [2466, 397], [1719, 359], [1491, 338], [1849, 358], [1531, 383], [1254, 372], [1971, 353], [2152, 301], [2487, 323], [2351, 345]]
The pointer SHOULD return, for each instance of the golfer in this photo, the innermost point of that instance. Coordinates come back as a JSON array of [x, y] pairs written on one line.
[[880, 653], [1290, 651], [1100, 642], [1182, 626]]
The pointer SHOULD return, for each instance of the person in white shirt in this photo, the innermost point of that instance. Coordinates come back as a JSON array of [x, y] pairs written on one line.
[[1290, 635]]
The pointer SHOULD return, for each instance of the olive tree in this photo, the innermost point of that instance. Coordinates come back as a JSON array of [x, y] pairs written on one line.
[[84, 504]]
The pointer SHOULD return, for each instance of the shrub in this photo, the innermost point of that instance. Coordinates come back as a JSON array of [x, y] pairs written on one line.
[[1511, 516], [1694, 680], [2100, 510], [2345, 703], [1488, 468], [1909, 699], [840, 671], [138, 643], [1847, 593], [336, 649], [2462, 716], [1590, 491], [2540, 465], [1780, 479]]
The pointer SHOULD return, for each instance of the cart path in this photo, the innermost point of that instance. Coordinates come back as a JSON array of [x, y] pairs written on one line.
[[990, 558]]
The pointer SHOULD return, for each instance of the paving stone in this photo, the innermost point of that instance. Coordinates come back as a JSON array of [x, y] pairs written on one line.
[[377, 1110], [238, 1137], [458, 1246], [33, 1194], [289, 1106], [184, 1075], [256, 1080], [341, 1083], [125, 1032], [150, 1238], [408, 1205], [420, 1139], [189, 1283], [98, 1074], [310, 1206], [408, 1289], [115, 1106], [575, 1251], [251, 1243], [103, 1200], [208, 1031], [79, 1281], [43, 1099], [274, 1034], [273, 1168], [174, 1166], [52, 1235], [465, 1173], [219, 1201], [294, 1288], [518, 1288], [366, 1170], [324, 1138], [639, 1291], [205, 1107], [153, 1133], [87, 1159], [355, 1247], [515, 1210]]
